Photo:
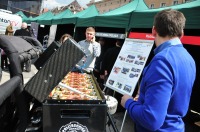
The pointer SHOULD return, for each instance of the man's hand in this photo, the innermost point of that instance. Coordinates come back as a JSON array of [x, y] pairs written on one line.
[[136, 97], [124, 99], [93, 39]]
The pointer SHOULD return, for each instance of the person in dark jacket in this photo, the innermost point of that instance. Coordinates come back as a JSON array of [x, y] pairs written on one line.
[[109, 59], [24, 32], [96, 70], [106, 67]]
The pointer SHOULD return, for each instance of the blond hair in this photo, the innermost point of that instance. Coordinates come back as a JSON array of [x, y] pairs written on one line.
[[90, 29]]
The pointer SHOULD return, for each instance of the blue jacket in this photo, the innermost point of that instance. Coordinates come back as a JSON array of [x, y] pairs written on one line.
[[165, 90]]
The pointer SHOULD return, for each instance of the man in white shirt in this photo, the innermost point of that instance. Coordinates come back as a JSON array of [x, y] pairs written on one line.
[[91, 48]]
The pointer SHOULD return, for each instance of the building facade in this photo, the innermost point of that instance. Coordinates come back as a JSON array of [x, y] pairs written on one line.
[[73, 6], [164, 3], [108, 5], [28, 7]]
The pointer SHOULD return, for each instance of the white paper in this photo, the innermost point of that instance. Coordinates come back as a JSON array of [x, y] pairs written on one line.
[[129, 65]]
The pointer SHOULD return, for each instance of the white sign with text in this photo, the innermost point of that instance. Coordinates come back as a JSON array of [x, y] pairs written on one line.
[[129, 65]]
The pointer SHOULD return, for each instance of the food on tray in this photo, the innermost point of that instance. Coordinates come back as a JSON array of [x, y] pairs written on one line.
[[79, 81]]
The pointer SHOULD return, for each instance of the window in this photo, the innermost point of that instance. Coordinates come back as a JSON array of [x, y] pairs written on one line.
[[175, 2], [187, 1], [162, 4], [151, 6]]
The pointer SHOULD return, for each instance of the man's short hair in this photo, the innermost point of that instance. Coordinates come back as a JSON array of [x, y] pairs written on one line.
[[90, 29], [169, 22]]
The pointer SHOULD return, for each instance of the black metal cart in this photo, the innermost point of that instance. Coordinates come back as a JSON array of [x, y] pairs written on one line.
[[64, 115]]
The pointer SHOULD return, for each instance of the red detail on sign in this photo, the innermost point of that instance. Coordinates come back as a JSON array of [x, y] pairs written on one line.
[[136, 35], [192, 40]]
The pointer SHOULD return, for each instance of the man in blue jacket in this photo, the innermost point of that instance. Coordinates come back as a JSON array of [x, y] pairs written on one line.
[[167, 81]]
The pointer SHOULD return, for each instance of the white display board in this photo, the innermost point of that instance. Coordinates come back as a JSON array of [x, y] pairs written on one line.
[[129, 65]]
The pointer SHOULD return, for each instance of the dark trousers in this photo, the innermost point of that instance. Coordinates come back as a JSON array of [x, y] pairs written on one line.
[[99, 80], [4, 61]]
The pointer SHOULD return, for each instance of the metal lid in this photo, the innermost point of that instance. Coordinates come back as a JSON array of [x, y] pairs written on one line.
[[58, 65]]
